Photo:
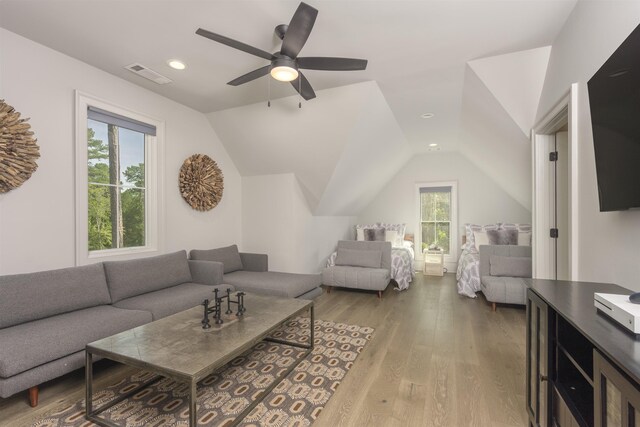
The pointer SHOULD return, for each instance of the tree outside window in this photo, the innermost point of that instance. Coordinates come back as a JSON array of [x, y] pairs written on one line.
[[435, 216], [116, 187]]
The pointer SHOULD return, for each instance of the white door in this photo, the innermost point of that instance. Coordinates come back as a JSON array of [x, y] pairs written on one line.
[[562, 205]]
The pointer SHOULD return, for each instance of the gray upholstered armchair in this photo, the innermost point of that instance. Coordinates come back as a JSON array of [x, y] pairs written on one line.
[[502, 272], [360, 265]]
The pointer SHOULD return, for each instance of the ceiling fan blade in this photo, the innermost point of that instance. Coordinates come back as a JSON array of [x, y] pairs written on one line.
[[332, 64], [299, 29], [251, 76], [235, 44], [303, 87]]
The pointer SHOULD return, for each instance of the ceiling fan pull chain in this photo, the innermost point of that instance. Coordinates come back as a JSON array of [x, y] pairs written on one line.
[[299, 91], [269, 93]]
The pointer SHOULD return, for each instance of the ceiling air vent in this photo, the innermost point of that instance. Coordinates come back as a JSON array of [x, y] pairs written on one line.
[[148, 74]]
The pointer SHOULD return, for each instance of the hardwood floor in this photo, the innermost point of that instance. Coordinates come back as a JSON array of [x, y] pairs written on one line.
[[435, 359]]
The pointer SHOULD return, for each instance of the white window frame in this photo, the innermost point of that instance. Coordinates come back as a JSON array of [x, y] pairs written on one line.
[[154, 207], [450, 259]]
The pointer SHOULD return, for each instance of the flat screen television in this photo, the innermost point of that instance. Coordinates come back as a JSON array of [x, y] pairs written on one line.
[[614, 98]]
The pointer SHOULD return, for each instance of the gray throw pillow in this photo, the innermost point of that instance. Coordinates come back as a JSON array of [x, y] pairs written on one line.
[[502, 237], [228, 256], [510, 266], [359, 258], [374, 234]]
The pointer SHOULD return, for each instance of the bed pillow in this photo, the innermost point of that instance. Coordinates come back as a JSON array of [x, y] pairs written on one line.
[[359, 258], [524, 238], [480, 238], [360, 230], [503, 237], [391, 236], [509, 266], [374, 234], [470, 229], [400, 228]]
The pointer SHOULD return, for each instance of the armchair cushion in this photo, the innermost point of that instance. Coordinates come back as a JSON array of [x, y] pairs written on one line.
[[358, 258], [229, 256], [506, 266]]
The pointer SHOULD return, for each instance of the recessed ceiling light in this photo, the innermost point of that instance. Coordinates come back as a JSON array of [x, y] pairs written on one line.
[[177, 65], [433, 145], [427, 115]]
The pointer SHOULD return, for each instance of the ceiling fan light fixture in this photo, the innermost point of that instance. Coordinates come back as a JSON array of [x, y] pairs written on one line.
[[284, 73]]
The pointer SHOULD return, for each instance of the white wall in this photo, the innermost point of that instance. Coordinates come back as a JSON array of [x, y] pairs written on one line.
[[608, 241], [37, 220], [480, 199], [277, 220], [493, 141]]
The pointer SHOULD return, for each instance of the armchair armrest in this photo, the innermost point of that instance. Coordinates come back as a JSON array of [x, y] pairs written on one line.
[[206, 272], [254, 262]]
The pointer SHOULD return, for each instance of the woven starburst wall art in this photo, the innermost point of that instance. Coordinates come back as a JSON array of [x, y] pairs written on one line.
[[18, 149], [201, 182]]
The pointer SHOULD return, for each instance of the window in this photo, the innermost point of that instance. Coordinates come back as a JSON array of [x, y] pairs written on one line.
[[116, 181], [437, 217]]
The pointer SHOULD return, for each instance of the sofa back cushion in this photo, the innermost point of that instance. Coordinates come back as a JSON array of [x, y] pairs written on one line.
[[229, 256], [138, 276], [358, 258], [510, 266], [501, 250], [384, 247], [33, 296]]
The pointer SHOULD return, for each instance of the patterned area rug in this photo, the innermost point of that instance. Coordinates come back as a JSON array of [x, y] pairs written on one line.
[[296, 401]]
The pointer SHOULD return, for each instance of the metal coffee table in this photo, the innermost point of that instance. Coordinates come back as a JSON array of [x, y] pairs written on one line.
[[177, 347]]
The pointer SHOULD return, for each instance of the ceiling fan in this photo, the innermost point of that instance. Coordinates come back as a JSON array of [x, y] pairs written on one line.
[[286, 65]]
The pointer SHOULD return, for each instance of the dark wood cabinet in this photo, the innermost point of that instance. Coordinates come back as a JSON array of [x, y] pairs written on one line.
[[583, 369], [617, 399], [538, 356]]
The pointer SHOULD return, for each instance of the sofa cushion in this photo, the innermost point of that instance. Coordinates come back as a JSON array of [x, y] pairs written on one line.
[[31, 344], [32, 296], [509, 290], [510, 266], [373, 279], [358, 258], [139, 276], [274, 283], [229, 256], [166, 302]]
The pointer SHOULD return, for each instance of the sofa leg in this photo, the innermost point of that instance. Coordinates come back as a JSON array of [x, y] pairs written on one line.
[[379, 294], [493, 306], [328, 289], [33, 396]]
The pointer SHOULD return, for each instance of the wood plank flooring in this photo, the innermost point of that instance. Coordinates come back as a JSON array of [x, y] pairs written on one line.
[[435, 359]]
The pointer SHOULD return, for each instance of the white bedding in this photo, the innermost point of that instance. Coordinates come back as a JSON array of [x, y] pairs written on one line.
[[401, 266], [468, 273]]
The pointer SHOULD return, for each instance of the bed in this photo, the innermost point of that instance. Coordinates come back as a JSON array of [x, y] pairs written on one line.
[[468, 271], [402, 252]]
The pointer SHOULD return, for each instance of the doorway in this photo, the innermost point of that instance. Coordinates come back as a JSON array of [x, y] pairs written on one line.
[[555, 196]]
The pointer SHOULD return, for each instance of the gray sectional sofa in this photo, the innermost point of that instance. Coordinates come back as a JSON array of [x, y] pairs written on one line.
[[249, 272], [360, 265], [47, 318], [502, 272]]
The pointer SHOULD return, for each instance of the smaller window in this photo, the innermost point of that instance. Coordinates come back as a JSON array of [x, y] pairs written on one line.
[[436, 218]]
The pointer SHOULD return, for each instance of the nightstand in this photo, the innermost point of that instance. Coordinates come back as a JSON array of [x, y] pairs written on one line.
[[433, 263]]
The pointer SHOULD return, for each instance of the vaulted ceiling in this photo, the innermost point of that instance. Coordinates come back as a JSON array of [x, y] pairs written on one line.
[[424, 56]]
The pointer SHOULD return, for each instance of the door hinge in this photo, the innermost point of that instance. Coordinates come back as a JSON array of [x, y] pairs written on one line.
[[553, 156], [553, 233]]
